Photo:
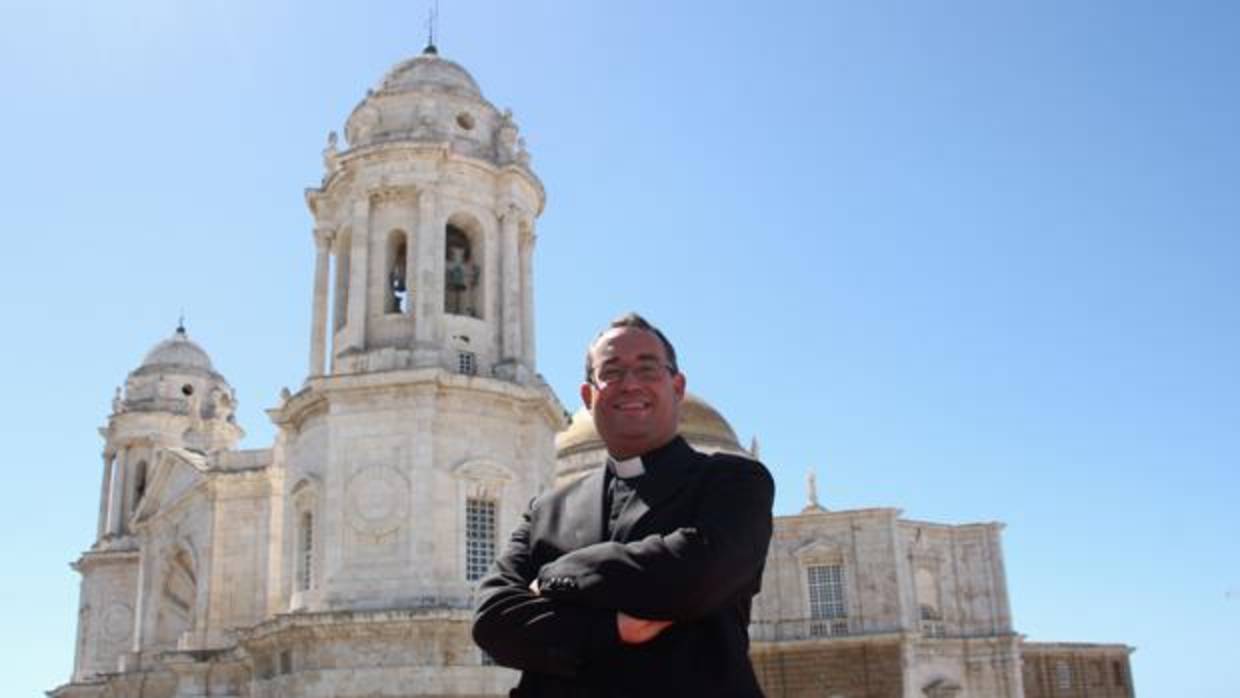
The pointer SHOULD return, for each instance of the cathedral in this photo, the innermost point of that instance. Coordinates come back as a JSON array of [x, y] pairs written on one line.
[[342, 560]]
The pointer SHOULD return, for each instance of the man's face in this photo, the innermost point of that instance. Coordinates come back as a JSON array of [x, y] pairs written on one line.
[[634, 397]]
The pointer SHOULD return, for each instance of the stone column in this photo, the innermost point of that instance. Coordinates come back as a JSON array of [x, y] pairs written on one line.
[[510, 287], [429, 265], [359, 276], [105, 494], [527, 296], [116, 495], [318, 323]]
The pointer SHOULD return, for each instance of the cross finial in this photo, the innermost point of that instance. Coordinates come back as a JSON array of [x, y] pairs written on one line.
[[181, 322], [432, 20]]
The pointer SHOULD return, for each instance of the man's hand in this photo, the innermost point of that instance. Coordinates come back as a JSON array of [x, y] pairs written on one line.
[[635, 631]]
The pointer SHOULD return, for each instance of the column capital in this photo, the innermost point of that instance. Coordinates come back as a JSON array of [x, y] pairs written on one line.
[[324, 236]]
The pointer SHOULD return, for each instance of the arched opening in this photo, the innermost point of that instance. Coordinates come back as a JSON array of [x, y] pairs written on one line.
[[462, 272], [139, 485], [396, 292]]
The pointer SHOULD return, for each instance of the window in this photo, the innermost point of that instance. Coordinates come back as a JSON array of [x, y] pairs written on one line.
[[479, 537], [397, 300], [139, 484], [1063, 675], [305, 552], [286, 661], [467, 363], [827, 611], [461, 274], [1117, 670], [932, 622], [931, 618]]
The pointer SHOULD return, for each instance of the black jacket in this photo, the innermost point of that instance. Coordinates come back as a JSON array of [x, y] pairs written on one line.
[[690, 548]]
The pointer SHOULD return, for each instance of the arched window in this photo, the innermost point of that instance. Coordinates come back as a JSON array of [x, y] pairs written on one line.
[[462, 275], [305, 552], [139, 484], [396, 293]]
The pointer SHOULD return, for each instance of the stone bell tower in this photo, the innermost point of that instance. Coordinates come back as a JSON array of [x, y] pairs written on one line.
[[422, 430], [424, 229]]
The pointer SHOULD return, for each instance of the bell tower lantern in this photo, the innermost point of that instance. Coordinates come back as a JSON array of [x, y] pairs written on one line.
[[424, 232]]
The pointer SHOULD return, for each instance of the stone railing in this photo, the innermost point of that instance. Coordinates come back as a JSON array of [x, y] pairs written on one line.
[[799, 629]]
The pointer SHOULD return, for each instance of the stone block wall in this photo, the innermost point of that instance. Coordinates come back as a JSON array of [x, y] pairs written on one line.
[[856, 669], [1067, 670]]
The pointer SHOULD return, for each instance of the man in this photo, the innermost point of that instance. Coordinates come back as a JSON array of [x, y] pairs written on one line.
[[637, 579]]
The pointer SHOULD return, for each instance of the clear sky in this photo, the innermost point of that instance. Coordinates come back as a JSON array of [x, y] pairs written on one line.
[[975, 260]]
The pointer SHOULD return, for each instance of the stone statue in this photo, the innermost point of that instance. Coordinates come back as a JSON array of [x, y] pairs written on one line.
[[221, 404], [811, 490], [331, 157], [460, 277], [285, 394], [506, 139], [523, 155], [118, 402]]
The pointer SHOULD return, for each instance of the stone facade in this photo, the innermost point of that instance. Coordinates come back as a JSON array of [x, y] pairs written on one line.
[[342, 560]]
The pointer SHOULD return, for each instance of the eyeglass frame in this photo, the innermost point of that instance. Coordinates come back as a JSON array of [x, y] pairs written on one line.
[[625, 371]]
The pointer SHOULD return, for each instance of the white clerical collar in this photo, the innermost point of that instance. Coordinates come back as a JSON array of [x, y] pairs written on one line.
[[627, 468]]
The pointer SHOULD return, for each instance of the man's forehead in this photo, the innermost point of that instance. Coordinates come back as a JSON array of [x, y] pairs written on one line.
[[629, 342]]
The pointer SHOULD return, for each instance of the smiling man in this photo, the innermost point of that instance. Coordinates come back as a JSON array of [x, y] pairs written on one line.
[[636, 579]]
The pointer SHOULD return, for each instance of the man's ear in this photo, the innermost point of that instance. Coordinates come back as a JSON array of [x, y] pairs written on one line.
[[587, 395], [678, 385]]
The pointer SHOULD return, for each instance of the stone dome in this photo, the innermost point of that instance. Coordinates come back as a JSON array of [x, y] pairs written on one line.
[[700, 424], [177, 352], [429, 71]]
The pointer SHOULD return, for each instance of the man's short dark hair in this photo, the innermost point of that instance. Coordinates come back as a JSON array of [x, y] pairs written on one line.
[[634, 320]]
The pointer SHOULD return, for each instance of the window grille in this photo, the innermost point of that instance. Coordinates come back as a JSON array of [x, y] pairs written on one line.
[[827, 611], [1063, 676], [479, 537], [305, 552], [466, 363]]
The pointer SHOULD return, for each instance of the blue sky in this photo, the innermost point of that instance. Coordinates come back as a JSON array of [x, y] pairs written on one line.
[[974, 260]]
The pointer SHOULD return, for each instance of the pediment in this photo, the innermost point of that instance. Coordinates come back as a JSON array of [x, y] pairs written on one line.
[[176, 471], [483, 470], [819, 551]]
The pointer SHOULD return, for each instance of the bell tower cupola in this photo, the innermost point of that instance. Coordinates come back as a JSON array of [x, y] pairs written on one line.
[[424, 232], [173, 399]]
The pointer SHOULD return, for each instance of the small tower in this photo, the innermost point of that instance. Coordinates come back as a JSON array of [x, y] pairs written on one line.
[[174, 400]]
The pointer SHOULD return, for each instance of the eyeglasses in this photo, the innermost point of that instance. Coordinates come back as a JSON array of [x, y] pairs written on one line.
[[644, 372]]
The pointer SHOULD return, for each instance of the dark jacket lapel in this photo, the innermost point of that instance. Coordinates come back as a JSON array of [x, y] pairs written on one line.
[[667, 470], [581, 517]]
